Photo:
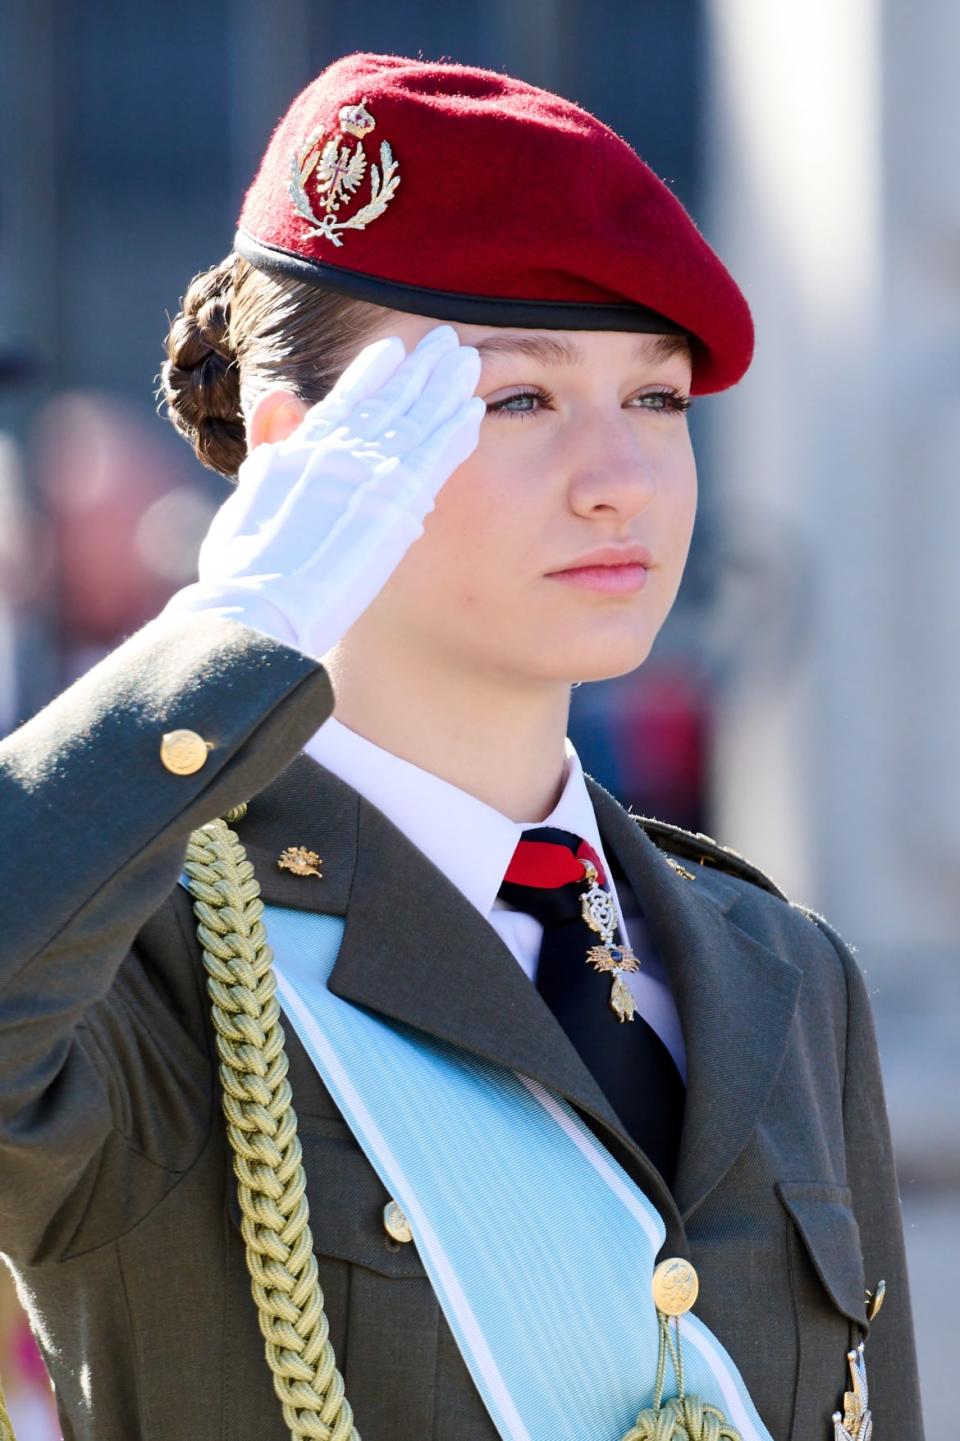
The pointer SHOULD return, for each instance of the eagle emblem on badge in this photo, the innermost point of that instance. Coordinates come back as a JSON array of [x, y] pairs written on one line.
[[337, 170]]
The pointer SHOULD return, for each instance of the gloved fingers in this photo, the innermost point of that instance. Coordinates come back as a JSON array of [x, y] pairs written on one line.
[[443, 395], [364, 375], [270, 479], [432, 463], [325, 475], [411, 482], [369, 420], [347, 456], [377, 505], [365, 379], [342, 491], [326, 566]]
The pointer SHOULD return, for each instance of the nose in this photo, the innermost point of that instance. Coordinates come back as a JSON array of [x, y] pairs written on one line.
[[611, 465]]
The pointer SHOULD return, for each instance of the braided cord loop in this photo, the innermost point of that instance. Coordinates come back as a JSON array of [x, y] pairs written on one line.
[[683, 1417], [262, 1130]]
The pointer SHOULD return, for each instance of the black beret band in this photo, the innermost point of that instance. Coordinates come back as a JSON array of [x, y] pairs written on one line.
[[451, 305]]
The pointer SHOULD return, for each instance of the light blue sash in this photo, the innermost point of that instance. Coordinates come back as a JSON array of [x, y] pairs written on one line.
[[539, 1246]]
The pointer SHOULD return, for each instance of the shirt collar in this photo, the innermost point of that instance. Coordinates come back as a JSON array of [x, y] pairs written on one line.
[[468, 840]]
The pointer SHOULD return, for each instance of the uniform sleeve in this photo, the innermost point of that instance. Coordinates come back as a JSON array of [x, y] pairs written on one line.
[[93, 832], [890, 1349]]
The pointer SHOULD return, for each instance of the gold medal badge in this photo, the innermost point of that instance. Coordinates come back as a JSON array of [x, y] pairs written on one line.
[[336, 170], [596, 908]]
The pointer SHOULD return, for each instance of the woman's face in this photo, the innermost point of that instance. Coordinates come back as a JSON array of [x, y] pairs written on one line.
[[572, 457]]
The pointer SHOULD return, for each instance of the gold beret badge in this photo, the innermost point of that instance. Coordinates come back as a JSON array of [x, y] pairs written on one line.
[[337, 171]]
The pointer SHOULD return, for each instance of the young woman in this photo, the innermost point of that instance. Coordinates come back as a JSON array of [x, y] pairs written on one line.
[[589, 1135]]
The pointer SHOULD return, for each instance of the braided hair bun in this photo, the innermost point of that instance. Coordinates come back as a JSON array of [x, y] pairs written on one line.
[[200, 379]]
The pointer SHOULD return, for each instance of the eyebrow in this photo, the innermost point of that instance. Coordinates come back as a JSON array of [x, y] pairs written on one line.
[[558, 350]]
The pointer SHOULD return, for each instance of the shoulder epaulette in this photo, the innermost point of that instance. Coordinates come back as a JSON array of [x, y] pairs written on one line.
[[705, 851]]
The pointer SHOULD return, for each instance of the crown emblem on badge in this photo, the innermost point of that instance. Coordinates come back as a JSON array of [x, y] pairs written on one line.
[[337, 171]]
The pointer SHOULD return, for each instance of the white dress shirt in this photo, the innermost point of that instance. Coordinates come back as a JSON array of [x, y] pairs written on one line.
[[472, 844]]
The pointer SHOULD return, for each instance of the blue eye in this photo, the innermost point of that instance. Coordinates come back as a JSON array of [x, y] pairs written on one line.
[[668, 402], [500, 406], [674, 402]]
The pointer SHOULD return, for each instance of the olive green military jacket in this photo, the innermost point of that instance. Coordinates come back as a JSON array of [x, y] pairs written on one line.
[[117, 1199]]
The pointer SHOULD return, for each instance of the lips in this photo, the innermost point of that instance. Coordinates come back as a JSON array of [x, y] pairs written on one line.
[[608, 555], [604, 579]]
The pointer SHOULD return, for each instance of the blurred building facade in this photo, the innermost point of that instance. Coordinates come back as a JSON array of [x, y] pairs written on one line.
[[802, 701], [834, 191]]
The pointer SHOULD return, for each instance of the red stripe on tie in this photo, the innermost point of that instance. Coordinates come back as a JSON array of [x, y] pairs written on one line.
[[585, 852], [545, 865]]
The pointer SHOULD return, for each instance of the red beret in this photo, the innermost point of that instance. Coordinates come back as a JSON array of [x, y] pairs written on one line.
[[459, 193]]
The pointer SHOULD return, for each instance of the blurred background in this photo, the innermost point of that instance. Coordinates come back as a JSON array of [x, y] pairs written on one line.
[[803, 701]]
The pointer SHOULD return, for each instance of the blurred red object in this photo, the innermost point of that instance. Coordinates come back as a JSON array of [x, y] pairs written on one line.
[[662, 744], [126, 518], [29, 1395]]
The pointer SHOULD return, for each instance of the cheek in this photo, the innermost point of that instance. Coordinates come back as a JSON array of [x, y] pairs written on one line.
[[684, 499], [681, 506], [472, 525]]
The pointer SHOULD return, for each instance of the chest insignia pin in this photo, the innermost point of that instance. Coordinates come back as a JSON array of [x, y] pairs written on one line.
[[301, 861]]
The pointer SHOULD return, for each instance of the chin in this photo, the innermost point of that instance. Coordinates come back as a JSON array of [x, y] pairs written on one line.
[[601, 658]]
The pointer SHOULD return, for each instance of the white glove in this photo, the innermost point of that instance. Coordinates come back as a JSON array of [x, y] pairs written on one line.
[[319, 521]]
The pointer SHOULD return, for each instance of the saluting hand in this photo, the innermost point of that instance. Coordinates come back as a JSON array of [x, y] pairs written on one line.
[[319, 521]]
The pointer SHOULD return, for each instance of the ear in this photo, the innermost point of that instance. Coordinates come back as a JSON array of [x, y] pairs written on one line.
[[274, 416]]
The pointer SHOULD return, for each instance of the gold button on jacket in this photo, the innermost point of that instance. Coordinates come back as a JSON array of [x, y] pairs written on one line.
[[183, 751], [396, 1224], [675, 1286]]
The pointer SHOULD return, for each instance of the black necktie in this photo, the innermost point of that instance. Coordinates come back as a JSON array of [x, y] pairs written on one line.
[[629, 1061]]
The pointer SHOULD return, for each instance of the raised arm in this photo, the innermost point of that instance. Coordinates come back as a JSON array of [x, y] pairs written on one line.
[[104, 1081]]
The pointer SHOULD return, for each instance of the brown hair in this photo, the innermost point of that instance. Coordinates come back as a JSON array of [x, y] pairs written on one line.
[[241, 330]]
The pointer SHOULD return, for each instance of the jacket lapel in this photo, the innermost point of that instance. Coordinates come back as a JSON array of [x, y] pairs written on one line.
[[735, 995], [414, 948], [736, 998]]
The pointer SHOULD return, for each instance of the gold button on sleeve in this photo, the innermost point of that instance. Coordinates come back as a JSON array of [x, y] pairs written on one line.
[[396, 1224], [675, 1286], [183, 751]]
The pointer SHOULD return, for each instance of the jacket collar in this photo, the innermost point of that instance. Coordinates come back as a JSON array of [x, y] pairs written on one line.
[[436, 815], [735, 995]]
